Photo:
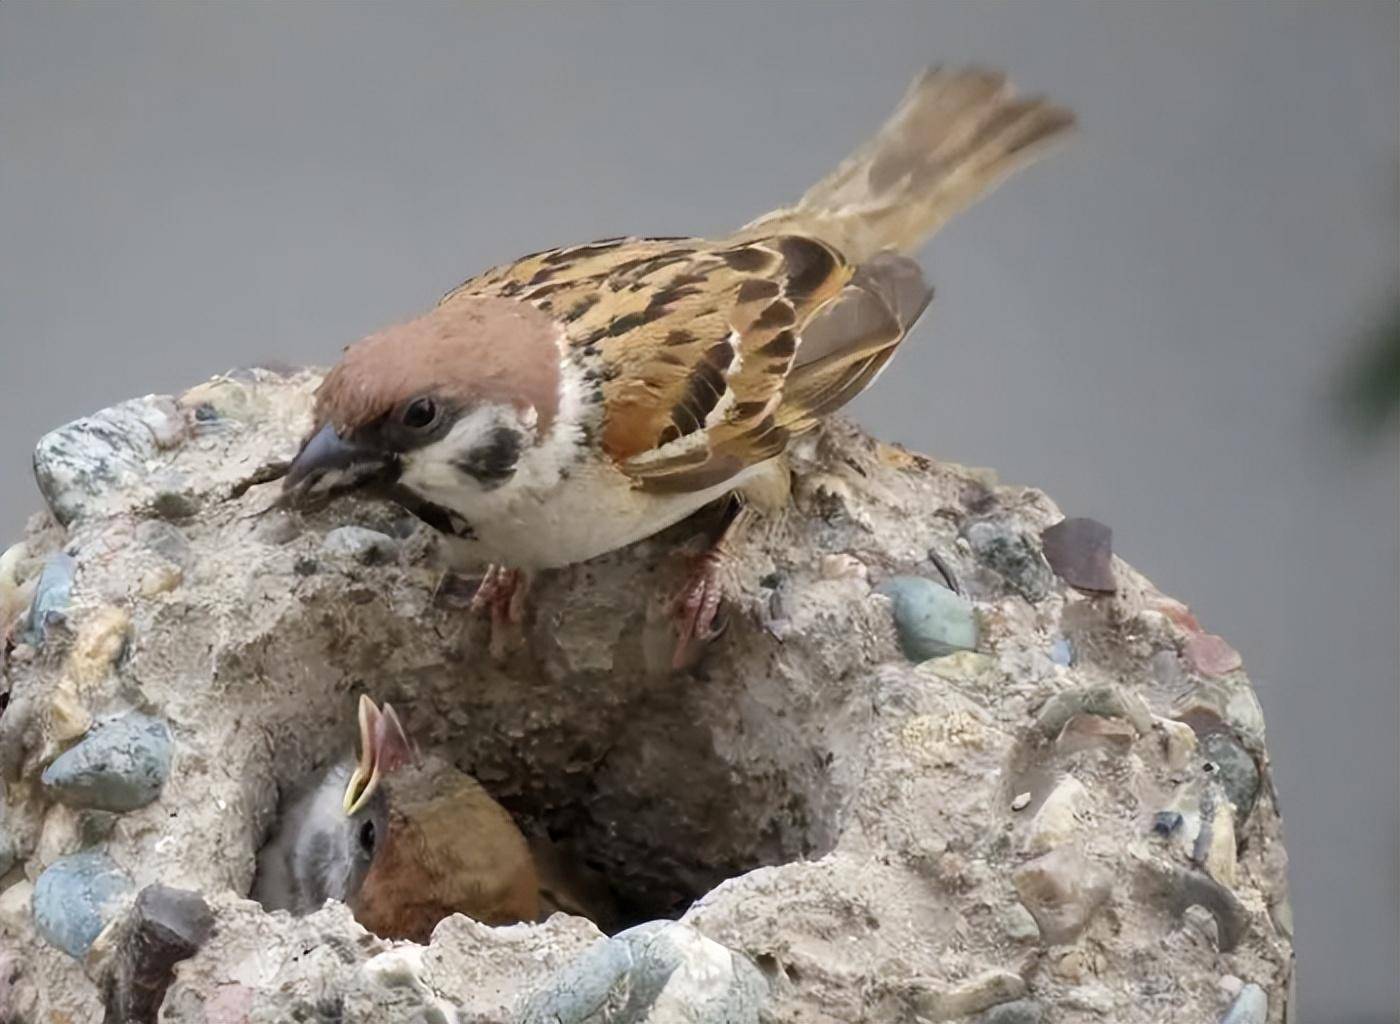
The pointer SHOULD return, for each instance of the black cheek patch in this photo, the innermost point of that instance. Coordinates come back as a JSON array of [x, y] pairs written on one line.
[[492, 462]]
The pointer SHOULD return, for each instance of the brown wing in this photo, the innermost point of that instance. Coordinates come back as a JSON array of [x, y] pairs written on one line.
[[709, 356]]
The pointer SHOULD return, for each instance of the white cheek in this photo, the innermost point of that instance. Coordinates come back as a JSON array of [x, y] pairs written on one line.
[[429, 471]]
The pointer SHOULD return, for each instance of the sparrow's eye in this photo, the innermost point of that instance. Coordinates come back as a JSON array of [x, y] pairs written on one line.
[[367, 837], [420, 414]]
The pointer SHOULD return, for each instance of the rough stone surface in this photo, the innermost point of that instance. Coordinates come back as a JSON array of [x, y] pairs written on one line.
[[832, 822]]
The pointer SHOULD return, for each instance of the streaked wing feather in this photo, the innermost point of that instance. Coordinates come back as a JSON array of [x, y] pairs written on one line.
[[701, 349]]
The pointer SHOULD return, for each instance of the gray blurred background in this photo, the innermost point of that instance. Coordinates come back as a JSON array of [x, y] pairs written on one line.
[[1149, 325]]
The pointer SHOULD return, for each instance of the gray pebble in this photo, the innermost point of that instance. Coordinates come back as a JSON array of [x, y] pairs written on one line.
[[1013, 555], [90, 467], [1020, 1011], [1062, 652], [120, 765], [165, 540], [7, 850], [368, 547], [171, 497], [931, 620], [661, 972], [1235, 769], [52, 595], [1251, 1006], [73, 899], [278, 528]]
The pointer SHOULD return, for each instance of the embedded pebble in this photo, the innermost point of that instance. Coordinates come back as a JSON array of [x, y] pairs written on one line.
[[1062, 891], [1020, 1011], [1214, 849], [166, 925], [368, 547], [1018, 924], [1251, 1006], [1210, 655], [66, 717], [1234, 768], [52, 595], [1178, 743], [1166, 670], [1103, 701], [1203, 923], [1081, 553], [7, 850], [94, 466], [843, 567], [1013, 555], [165, 540], [102, 639], [74, 897], [931, 1001], [160, 580], [655, 973], [1164, 823], [278, 528], [171, 497], [1179, 889], [1062, 652], [1054, 821], [1020, 801], [119, 766], [930, 619]]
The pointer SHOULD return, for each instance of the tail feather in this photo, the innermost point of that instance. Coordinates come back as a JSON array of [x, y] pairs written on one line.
[[954, 136]]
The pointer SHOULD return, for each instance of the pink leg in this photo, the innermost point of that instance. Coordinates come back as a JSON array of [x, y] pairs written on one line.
[[696, 607], [502, 594]]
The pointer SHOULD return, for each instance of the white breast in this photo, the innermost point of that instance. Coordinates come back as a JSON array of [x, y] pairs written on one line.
[[594, 511]]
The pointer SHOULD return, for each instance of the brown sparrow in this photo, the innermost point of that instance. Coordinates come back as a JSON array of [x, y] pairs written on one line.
[[577, 400]]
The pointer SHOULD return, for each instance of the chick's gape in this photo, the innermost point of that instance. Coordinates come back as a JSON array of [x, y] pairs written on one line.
[[583, 398]]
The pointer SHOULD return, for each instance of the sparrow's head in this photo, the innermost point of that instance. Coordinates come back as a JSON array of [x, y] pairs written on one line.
[[442, 407]]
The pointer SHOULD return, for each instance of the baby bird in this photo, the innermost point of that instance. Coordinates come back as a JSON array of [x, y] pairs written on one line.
[[326, 841], [577, 400], [403, 840]]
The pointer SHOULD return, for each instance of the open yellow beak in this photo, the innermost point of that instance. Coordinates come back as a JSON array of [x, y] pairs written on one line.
[[383, 748], [365, 779]]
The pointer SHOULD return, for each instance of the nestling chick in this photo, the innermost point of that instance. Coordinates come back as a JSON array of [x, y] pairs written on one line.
[[329, 833], [580, 399], [404, 841]]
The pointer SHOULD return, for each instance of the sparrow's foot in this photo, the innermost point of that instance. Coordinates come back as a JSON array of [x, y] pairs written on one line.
[[502, 595], [696, 609]]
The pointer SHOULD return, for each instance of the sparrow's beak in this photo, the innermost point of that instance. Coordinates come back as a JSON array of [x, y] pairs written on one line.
[[384, 747], [328, 465]]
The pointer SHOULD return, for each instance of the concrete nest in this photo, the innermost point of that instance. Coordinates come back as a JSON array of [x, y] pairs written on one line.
[[951, 760]]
